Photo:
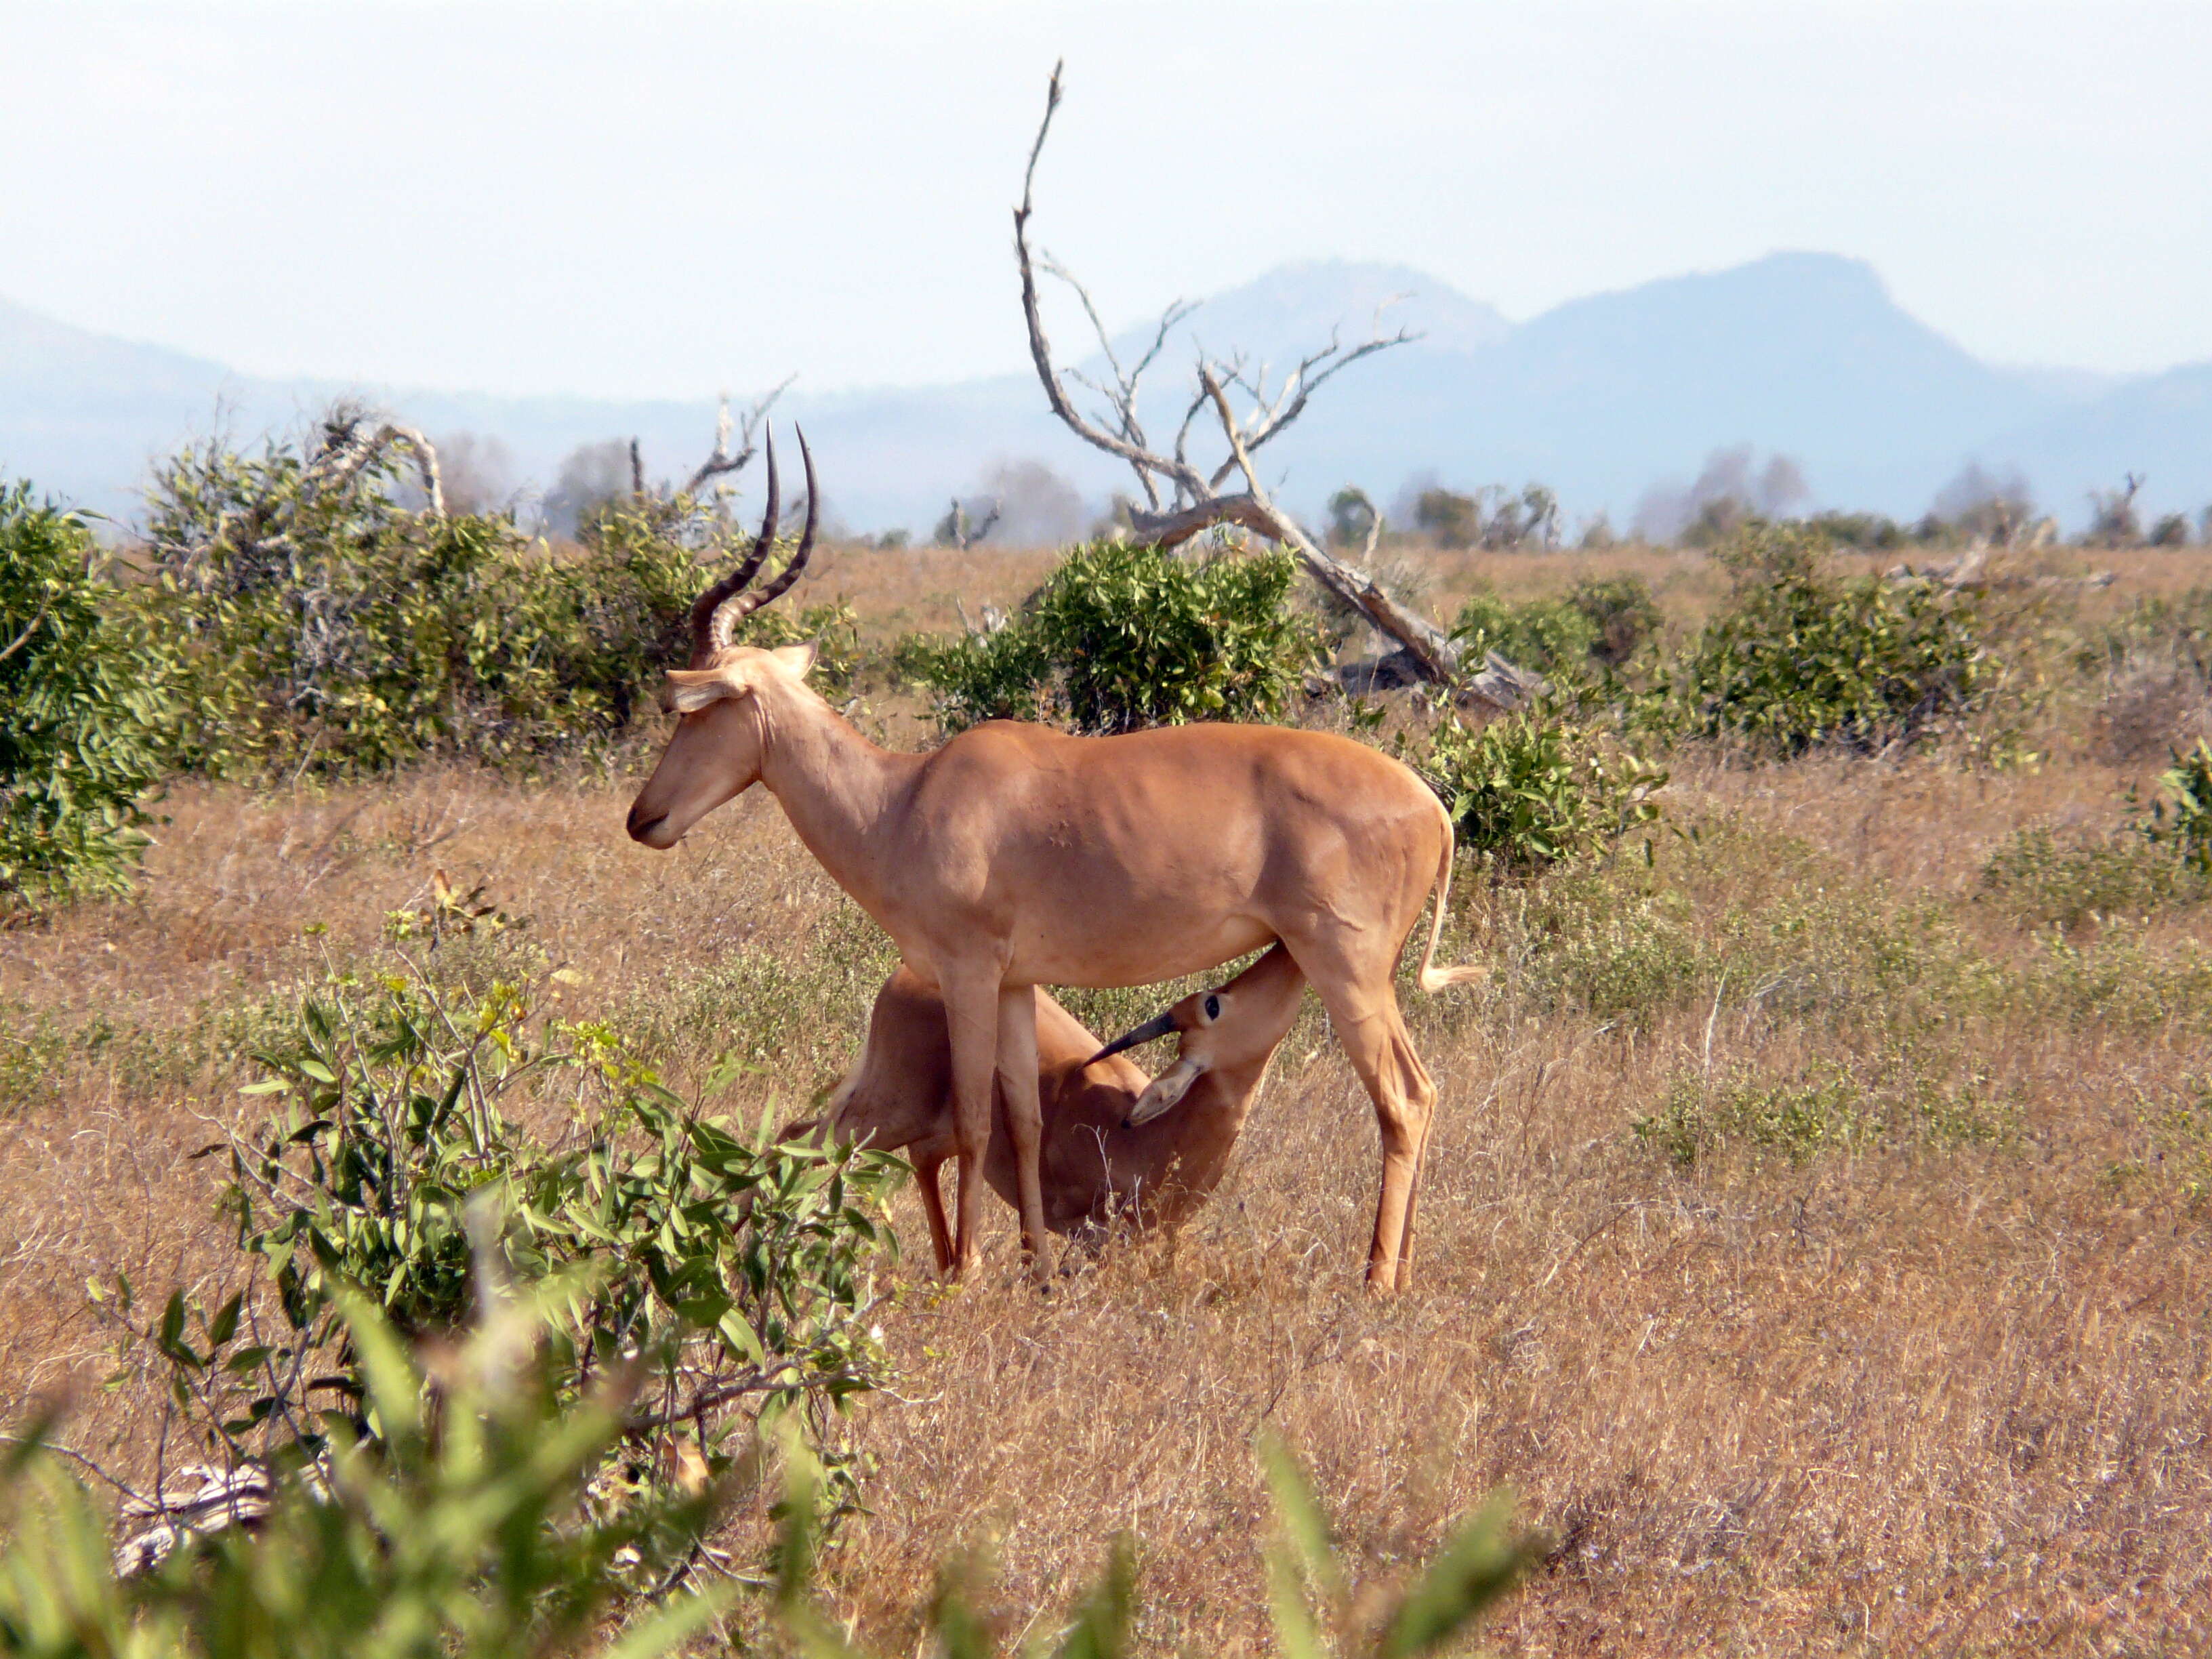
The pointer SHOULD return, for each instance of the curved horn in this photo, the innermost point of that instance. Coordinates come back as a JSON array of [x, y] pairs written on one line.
[[1159, 1025], [707, 634], [736, 610]]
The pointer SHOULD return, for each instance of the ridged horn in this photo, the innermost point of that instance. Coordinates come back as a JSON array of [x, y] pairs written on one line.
[[705, 611], [732, 605]]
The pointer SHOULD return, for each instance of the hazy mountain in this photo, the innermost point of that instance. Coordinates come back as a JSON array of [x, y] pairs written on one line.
[[1294, 310], [1803, 354], [2159, 427]]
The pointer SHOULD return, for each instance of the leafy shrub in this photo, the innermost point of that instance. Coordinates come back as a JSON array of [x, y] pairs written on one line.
[[474, 1529], [1004, 675], [1875, 532], [2181, 819], [312, 619], [1606, 942], [1545, 634], [1622, 610], [1602, 620], [2042, 878], [465, 1529], [1799, 660], [1898, 1098], [80, 714], [1797, 1118], [1531, 790], [2177, 628], [1121, 636], [729, 1275]]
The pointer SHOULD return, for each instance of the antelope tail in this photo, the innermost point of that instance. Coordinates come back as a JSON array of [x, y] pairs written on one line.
[[1434, 978]]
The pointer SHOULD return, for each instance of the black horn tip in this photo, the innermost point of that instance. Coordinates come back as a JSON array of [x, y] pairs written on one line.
[[1159, 1026]]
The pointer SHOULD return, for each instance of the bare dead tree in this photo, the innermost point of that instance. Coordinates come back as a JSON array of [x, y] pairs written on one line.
[[725, 460], [1181, 496], [352, 439], [957, 529], [249, 520]]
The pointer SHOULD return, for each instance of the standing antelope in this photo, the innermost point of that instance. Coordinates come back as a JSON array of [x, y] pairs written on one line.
[[1104, 1150], [1016, 856]]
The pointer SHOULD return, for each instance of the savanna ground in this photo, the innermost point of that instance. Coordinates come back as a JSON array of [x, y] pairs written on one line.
[[1816, 1238]]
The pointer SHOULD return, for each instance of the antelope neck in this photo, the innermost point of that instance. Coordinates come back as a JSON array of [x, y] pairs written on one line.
[[835, 787]]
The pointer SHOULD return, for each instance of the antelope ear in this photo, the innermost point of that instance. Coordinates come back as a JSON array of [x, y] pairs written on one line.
[[690, 690], [799, 659], [1167, 1090]]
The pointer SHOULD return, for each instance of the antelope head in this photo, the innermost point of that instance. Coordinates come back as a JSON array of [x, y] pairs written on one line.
[[716, 749], [1235, 1024]]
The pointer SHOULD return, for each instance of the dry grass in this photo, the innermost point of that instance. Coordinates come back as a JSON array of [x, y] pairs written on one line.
[[1941, 1383]]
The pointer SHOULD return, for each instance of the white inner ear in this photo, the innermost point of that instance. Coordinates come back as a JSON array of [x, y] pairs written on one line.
[[691, 699], [799, 659], [1167, 1090]]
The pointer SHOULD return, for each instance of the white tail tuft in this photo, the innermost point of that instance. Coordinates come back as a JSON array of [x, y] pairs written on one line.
[[1433, 978]]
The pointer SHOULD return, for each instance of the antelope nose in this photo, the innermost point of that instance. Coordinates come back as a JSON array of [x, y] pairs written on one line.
[[640, 825]]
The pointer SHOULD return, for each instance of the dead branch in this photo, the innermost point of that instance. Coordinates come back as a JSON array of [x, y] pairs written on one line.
[[724, 459], [957, 530], [1971, 571], [1432, 650], [1145, 463], [193, 1501], [29, 628], [351, 442], [1181, 499]]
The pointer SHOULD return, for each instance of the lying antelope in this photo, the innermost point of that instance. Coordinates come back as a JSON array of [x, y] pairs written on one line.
[[1016, 856], [1105, 1150]]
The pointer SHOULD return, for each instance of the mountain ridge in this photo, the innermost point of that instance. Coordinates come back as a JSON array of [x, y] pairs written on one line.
[[1603, 397]]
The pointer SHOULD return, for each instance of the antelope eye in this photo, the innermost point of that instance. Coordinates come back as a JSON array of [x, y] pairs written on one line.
[[1213, 1007]]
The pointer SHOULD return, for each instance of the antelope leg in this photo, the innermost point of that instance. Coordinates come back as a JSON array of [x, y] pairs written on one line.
[[1018, 1084]]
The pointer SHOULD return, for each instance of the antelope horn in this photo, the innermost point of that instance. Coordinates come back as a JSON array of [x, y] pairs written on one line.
[[733, 611], [708, 636], [1159, 1025]]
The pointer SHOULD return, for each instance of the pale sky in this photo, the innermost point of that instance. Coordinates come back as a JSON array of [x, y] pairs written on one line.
[[672, 199]]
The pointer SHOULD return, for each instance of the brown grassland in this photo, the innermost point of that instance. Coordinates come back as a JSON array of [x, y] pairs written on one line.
[[1815, 1239]]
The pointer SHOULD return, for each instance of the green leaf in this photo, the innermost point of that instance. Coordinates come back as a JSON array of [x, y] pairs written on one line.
[[1101, 1629], [1298, 1516], [225, 1323], [742, 1341], [1480, 1564]]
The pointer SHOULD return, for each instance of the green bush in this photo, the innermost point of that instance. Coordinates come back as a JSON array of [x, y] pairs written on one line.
[[474, 1529], [2042, 878], [729, 1276], [1826, 1109], [1122, 636], [1532, 790], [313, 620], [1601, 621], [1545, 634], [2180, 820], [1796, 1118], [466, 1529], [1005, 675], [81, 715], [1622, 610], [1799, 660]]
